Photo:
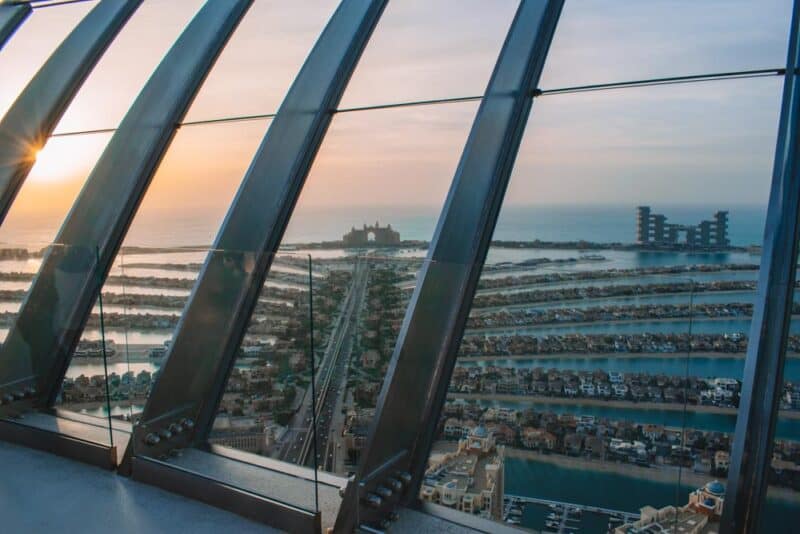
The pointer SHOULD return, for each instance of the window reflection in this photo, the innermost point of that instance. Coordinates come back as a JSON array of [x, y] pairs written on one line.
[[603, 356], [365, 215]]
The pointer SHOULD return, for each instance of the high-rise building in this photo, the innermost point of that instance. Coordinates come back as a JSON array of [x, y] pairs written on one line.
[[653, 229]]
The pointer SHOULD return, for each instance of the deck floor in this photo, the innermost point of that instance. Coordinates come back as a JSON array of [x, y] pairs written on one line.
[[44, 493]]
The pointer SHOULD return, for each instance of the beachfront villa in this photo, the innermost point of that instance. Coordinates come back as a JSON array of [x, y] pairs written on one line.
[[699, 516], [469, 479]]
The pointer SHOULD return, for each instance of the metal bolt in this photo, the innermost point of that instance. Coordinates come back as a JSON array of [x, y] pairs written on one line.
[[405, 477], [175, 428], [166, 434], [384, 492], [152, 439], [187, 423], [373, 500], [394, 484]]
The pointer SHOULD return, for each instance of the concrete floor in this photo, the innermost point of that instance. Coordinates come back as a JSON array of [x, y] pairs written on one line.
[[413, 522], [41, 492]]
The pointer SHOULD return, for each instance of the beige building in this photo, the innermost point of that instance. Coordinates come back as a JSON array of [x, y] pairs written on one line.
[[699, 516], [469, 479]]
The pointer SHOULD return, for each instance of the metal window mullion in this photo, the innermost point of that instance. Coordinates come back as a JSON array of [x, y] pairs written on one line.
[[762, 382], [52, 317], [33, 116], [223, 298], [420, 369], [11, 17]]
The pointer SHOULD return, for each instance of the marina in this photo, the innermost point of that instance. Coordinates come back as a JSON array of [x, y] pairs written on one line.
[[562, 517]]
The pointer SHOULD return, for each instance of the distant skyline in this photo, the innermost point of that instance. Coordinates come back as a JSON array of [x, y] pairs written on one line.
[[709, 143]]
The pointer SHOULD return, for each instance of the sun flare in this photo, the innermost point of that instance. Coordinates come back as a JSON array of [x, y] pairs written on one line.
[[63, 159]]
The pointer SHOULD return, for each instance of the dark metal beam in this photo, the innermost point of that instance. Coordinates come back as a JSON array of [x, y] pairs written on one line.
[[11, 17], [762, 384], [420, 369], [39, 346], [33, 116], [202, 353]]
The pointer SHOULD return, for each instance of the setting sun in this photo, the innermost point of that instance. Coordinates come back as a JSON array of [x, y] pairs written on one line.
[[66, 158]]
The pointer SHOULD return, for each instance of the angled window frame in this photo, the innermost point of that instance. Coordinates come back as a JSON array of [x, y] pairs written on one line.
[[11, 18], [762, 384]]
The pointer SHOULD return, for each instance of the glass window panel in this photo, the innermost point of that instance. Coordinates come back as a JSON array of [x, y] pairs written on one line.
[[51, 188], [161, 255], [32, 44], [428, 50], [609, 368], [607, 41], [202, 169], [127, 64], [262, 59], [387, 168], [64, 163]]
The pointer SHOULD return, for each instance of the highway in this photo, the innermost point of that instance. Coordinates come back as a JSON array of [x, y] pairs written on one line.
[[331, 375]]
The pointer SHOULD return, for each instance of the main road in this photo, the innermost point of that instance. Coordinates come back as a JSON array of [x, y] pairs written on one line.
[[298, 444]]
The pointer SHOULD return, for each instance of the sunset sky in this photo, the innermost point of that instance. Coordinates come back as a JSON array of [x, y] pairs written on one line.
[[698, 143]]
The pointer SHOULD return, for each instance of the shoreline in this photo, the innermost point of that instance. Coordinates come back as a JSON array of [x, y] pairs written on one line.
[[545, 304], [565, 285], [611, 355], [657, 473], [496, 330], [624, 405]]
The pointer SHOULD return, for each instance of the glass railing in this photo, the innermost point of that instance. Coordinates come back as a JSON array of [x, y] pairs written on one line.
[[37, 287], [259, 426], [145, 294], [357, 337], [577, 374], [268, 394]]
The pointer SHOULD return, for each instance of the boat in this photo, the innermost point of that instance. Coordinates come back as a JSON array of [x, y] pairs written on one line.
[[552, 516], [552, 524], [512, 521], [554, 507]]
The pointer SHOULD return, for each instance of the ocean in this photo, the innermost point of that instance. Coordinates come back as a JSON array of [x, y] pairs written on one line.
[[596, 223]]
